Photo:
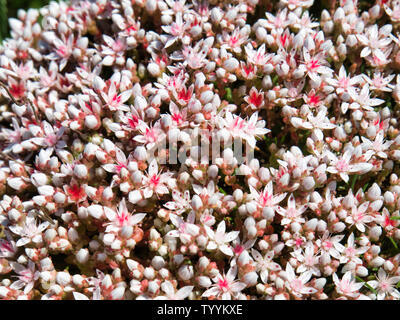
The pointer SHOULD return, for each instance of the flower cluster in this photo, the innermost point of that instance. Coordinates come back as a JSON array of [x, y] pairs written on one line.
[[96, 97]]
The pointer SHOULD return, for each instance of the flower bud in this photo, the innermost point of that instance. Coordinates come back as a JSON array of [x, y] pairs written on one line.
[[185, 272], [82, 256]]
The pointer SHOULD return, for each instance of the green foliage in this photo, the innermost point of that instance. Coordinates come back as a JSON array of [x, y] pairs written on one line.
[[9, 9], [3, 19]]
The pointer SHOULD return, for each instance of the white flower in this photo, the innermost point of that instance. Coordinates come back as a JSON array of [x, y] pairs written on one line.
[[347, 285], [29, 231], [121, 218], [225, 286], [171, 294], [292, 214], [385, 285], [265, 264], [297, 285], [155, 182], [26, 276], [219, 239]]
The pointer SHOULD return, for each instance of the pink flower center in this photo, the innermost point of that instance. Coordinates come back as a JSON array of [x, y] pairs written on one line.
[[223, 284], [26, 275], [76, 192], [291, 213], [122, 218], [327, 244], [342, 165], [296, 284], [265, 199], [313, 65], [154, 180], [238, 249], [298, 242], [256, 99], [176, 117], [119, 166]]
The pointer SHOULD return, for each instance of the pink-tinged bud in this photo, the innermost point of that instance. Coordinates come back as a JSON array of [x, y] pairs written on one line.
[[39, 179], [244, 258], [134, 196], [98, 84], [149, 273], [132, 264], [249, 222], [251, 207], [55, 289], [153, 287], [238, 195], [108, 194], [63, 278], [17, 183], [151, 5], [212, 171], [82, 256], [231, 64], [375, 232], [264, 174], [92, 122], [338, 227], [339, 15], [374, 193], [325, 259], [196, 202], [308, 183], [65, 156], [202, 241], [50, 235], [96, 211], [158, 262], [108, 239], [377, 262], [137, 177], [153, 69], [252, 232], [389, 197], [73, 235], [216, 15], [268, 213], [91, 192], [16, 168], [78, 280], [250, 278], [295, 227], [204, 281], [320, 283], [185, 272], [90, 151], [118, 293], [388, 265], [375, 250], [362, 271], [284, 181]]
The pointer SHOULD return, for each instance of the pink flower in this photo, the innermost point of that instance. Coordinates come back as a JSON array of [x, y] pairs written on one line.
[[225, 287], [347, 285], [267, 198], [121, 218], [115, 101], [27, 276], [220, 240], [155, 181], [292, 213], [385, 285], [297, 285]]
